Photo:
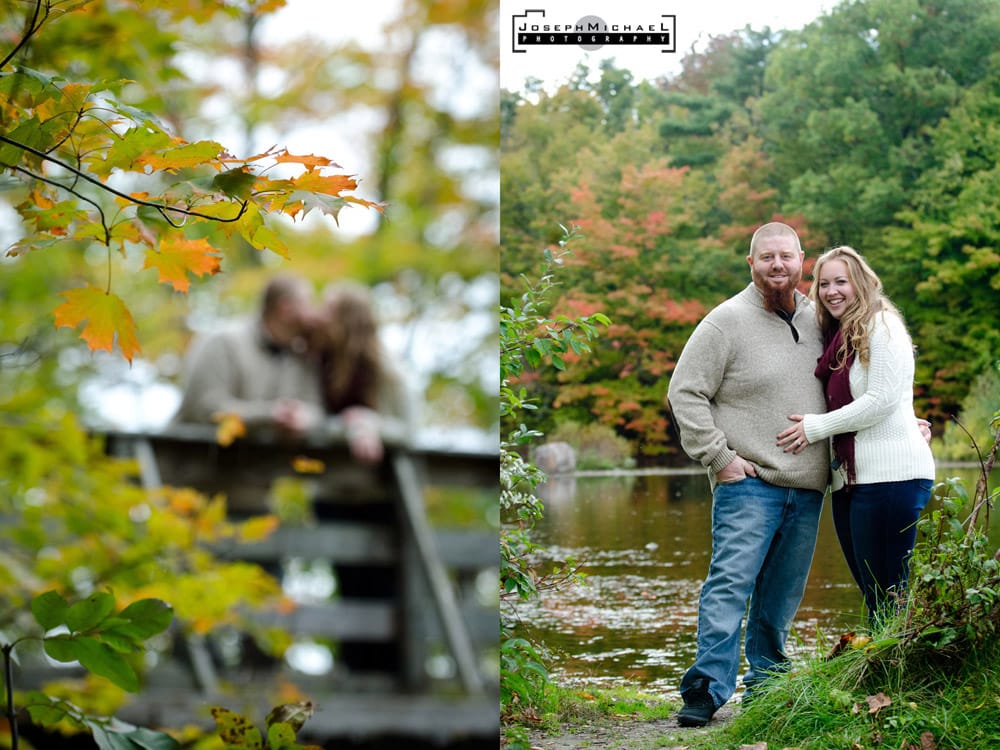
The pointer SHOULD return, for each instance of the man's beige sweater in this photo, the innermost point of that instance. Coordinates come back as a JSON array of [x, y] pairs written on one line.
[[739, 377]]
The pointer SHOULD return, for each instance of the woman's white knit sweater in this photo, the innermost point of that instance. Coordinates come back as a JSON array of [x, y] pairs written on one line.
[[888, 446]]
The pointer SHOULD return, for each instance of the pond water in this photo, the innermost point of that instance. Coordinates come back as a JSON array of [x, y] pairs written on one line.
[[643, 541]]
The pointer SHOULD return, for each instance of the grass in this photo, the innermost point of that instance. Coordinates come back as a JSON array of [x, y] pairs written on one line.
[[845, 703], [824, 704]]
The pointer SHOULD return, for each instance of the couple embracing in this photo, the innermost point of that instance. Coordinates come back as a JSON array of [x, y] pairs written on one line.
[[298, 368], [770, 387]]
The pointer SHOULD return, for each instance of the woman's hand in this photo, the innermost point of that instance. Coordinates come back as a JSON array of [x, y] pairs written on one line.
[[363, 436], [794, 438]]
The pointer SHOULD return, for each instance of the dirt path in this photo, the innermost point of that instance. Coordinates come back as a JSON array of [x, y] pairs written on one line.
[[628, 734]]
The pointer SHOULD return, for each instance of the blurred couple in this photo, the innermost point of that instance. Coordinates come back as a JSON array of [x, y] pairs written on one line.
[[301, 368]]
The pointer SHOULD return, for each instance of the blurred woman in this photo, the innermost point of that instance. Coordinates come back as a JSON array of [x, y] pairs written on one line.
[[358, 380]]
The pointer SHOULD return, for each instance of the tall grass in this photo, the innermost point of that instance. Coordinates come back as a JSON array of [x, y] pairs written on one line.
[[843, 703]]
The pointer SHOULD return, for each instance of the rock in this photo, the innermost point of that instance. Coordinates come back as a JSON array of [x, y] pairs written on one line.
[[556, 458]]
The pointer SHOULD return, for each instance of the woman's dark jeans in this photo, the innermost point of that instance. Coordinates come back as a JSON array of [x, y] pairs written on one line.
[[876, 526]]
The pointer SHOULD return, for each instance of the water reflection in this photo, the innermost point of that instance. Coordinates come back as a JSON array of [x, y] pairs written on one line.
[[644, 543]]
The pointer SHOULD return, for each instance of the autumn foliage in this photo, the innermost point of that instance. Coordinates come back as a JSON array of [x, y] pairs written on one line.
[[94, 172], [857, 129]]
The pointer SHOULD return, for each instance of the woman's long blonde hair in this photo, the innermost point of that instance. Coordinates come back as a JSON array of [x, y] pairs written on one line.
[[869, 300], [352, 354]]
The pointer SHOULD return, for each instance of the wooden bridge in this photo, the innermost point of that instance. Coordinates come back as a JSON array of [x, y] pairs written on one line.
[[411, 637]]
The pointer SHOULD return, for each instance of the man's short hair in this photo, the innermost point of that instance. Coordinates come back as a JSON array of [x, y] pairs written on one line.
[[773, 229], [280, 288]]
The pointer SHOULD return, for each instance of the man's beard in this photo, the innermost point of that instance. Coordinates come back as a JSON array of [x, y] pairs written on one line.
[[778, 297]]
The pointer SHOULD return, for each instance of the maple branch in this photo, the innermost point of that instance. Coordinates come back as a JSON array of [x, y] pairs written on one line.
[[31, 29], [107, 188], [71, 191]]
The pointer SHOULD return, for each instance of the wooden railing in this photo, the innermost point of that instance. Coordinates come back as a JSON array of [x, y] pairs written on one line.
[[408, 595]]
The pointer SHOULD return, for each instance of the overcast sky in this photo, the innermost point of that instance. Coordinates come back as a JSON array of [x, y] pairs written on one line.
[[695, 22]]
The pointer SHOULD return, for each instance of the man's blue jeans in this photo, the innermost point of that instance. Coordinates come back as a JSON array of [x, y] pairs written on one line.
[[763, 538]]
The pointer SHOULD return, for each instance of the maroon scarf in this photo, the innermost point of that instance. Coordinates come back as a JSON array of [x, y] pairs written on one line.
[[837, 386]]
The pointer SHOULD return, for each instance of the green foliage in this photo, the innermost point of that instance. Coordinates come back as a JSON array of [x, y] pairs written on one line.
[[178, 202], [596, 445], [78, 526], [876, 125], [972, 428], [529, 340], [102, 641], [97, 639], [816, 708]]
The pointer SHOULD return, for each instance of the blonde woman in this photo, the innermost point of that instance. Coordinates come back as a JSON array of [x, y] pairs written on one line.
[[359, 383], [883, 467]]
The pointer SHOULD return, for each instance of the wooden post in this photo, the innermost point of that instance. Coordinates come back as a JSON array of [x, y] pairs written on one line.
[[437, 580]]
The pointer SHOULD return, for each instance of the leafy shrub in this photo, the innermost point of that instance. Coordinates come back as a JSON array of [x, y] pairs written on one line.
[[978, 409], [597, 445], [528, 339]]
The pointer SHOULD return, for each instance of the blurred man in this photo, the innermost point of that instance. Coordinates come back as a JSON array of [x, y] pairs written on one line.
[[259, 370]]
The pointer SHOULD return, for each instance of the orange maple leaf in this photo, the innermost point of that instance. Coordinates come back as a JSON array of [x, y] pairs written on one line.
[[308, 161], [258, 528], [307, 465], [231, 427], [176, 257], [333, 184], [105, 318]]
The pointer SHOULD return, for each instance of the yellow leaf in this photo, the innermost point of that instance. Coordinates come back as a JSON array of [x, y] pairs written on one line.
[[178, 256], [104, 316], [230, 427], [258, 528], [327, 184], [41, 200], [306, 465], [266, 238], [307, 161], [184, 501]]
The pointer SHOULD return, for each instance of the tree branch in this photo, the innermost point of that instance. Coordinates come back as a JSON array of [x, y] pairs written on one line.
[[31, 29], [107, 188], [72, 191]]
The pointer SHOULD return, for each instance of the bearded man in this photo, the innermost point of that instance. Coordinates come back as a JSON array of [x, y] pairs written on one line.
[[747, 364]]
